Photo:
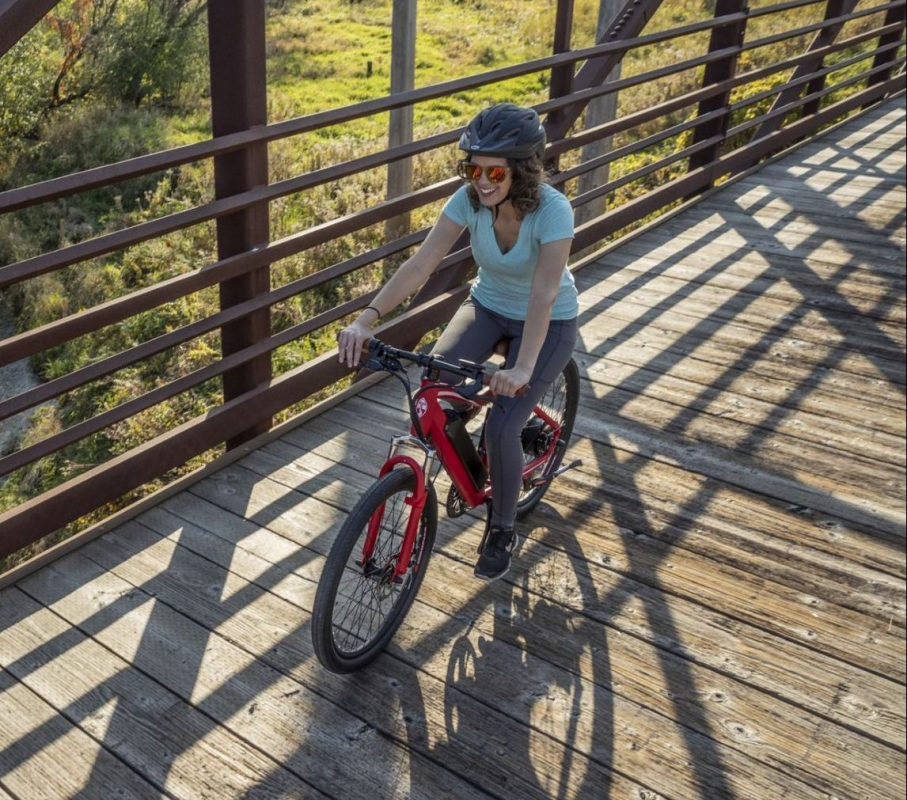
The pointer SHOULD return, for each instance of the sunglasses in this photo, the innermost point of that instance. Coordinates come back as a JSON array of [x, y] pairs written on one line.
[[472, 172]]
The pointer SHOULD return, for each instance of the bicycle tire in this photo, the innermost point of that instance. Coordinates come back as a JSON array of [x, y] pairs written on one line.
[[347, 636], [560, 401]]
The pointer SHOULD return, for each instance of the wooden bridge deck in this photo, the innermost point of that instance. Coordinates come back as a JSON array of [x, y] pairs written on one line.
[[713, 607]]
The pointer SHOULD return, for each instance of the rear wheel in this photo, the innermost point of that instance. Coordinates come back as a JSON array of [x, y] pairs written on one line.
[[358, 607], [540, 438]]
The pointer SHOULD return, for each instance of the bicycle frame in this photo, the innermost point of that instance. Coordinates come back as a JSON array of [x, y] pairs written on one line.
[[429, 423]]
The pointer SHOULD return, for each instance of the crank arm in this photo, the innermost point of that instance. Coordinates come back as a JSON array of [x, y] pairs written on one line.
[[560, 471]]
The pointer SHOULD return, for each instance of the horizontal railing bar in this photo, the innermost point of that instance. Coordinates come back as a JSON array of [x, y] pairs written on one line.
[[635, 80], [102, 245], [107, 243], [106, 482], [800, 102], [742, 158], [47, 391], [818, 26], [636, 147], [92, 319], [642, 172], [780, 8], [805, 79], [55, 188]]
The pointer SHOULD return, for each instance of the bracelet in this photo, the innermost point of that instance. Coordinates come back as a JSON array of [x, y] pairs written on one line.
[[375, 310]]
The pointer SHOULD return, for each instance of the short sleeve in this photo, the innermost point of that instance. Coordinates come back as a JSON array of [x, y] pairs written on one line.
[[457, 208], [555, 218]]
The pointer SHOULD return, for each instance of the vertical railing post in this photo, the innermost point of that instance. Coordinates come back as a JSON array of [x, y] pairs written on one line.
[[892, 16], [400, 131], [834, 8], [561, 77], [723, 37], [236, 32]]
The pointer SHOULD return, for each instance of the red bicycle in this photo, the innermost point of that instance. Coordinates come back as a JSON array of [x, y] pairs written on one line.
[[379, 558]]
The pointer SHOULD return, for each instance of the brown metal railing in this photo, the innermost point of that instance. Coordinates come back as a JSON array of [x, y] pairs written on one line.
[[715, 146]]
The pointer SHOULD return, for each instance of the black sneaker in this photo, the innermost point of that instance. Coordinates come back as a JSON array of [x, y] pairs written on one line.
[[494, 560]]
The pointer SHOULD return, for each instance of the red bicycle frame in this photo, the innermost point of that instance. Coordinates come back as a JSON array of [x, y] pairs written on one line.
[[429, 408]]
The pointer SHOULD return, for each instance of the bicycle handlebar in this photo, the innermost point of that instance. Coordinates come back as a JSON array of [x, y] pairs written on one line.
[[382, 353]]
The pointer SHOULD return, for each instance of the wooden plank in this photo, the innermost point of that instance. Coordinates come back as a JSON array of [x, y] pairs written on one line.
[[237, 687], [781, 422], [784, 527], [875, 339], [798, 615], [171, 744], [843, 378], [764, 647], [885, 259], [285, 523], [44, 755], [815, 223], [755, 277], [712, 239], [363, 751], [709, 367], [784, 343]]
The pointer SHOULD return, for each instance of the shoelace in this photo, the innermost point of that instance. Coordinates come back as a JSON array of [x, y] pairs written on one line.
[[499, 541]]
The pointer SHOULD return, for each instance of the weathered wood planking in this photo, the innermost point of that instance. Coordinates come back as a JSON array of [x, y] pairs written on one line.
[[713, 606], [41, 750]]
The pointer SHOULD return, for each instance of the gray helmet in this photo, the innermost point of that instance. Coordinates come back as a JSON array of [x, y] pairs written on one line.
[[504, 130]]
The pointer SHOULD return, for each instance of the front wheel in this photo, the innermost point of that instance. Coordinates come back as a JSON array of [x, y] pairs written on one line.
[[359, 606], [539, 438]]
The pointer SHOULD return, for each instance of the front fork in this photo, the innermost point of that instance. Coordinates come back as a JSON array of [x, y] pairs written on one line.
[[416, 501]]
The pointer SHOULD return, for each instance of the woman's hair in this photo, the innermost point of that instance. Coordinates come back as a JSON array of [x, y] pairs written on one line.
[[528, 175]]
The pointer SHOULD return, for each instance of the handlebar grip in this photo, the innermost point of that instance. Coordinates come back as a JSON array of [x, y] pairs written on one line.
[[521, 392]]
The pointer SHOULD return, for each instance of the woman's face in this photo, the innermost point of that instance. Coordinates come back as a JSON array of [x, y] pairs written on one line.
[[490, 194]]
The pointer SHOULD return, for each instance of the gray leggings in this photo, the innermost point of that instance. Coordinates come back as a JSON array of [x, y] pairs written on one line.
[[472, 334]]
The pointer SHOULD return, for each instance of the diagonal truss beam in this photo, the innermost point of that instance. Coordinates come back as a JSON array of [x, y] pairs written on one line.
[[18, 17], [825, 37], [628, 23]]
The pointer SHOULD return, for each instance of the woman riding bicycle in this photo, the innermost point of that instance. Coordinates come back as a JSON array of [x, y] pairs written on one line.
[[521, 231]]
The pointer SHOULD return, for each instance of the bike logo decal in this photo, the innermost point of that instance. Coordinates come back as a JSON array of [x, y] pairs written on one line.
[[421, 406]]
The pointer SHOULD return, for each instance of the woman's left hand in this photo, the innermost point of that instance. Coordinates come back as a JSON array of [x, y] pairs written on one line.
[[508, 382]]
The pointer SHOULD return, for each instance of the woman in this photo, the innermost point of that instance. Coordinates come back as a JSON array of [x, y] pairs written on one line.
[[521, 231]]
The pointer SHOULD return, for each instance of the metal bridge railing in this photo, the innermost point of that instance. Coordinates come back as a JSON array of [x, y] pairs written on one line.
[[719, 146]]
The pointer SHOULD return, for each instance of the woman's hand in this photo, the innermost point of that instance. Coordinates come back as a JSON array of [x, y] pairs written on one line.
[[508, 382], [351, 341]]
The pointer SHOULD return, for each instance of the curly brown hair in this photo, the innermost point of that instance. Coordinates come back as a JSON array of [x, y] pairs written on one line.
[[528, 175]]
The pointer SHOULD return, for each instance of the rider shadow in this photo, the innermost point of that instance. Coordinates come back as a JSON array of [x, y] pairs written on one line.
[[527, 708]]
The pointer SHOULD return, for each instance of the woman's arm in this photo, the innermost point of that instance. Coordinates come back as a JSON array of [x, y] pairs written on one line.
[[545, 286], [411, 275]]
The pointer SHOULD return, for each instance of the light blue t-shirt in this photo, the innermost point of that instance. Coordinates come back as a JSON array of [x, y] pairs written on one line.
[[504, 281]]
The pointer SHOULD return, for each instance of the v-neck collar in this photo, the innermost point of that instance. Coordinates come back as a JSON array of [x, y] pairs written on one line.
[[497, 241]]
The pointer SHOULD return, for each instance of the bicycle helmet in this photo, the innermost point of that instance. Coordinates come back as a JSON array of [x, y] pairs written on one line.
[[504, 130]]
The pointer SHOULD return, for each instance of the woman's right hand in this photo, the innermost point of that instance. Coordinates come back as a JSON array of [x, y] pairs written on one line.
[[351, 340]]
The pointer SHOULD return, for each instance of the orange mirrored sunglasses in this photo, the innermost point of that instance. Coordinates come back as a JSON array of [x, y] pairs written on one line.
[[472, 172]]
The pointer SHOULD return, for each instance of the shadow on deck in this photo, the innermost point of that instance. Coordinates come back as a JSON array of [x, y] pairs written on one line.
[[713, 607]]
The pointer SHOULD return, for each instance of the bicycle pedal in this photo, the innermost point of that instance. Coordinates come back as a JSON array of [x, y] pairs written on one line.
[[560, 471]]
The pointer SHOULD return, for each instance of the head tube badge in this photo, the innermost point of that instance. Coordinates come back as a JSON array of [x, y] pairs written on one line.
[[421, 407]]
